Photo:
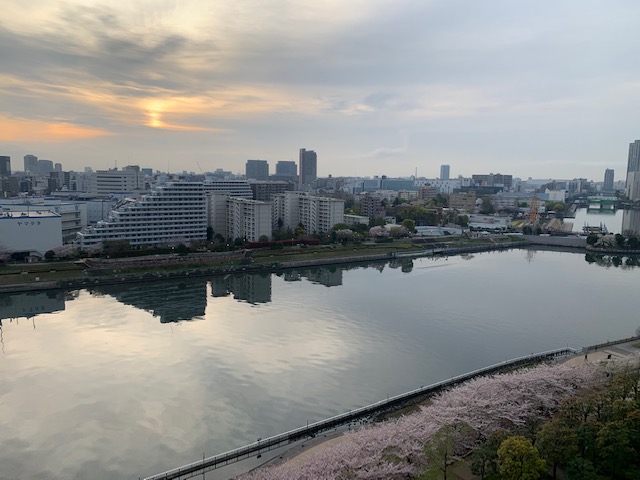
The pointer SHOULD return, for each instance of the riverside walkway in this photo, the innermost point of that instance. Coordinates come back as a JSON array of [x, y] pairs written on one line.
[[370, 411]]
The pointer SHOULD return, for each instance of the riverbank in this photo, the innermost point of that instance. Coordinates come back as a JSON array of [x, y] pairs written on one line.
[[298, 455], [90, 272]]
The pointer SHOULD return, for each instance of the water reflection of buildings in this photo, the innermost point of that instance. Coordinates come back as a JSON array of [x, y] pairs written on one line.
[[631, 222], [252, 288], [171, 301], [31, 304], [330, 276]]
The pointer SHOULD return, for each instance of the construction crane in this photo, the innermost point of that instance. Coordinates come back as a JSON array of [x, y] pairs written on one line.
[[533, 215]]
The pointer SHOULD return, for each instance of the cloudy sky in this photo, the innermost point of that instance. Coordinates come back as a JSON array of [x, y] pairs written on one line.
[[540, 88]]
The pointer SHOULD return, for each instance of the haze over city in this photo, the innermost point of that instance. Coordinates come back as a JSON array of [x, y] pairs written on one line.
[[541, 89]]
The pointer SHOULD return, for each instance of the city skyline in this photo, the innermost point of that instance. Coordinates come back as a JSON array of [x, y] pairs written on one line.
[[535, 90]]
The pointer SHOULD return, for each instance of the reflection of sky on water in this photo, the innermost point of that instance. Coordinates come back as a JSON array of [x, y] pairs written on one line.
[[102, 388], [613, 220]]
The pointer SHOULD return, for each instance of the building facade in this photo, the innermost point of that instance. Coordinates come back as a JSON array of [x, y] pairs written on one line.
[[257, 170], [316, 214], [632, 189], [308, 168], [5, 166], [104, 182], [33, 231], [235, 188], [264, 191], [608, 180], [444, 172], [234, 217], [173, 210]]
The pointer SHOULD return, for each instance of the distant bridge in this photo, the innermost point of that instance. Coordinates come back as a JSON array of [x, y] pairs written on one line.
[[311, 430]]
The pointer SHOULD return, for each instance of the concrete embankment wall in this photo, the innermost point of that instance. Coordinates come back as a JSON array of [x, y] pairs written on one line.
[[571, 241]]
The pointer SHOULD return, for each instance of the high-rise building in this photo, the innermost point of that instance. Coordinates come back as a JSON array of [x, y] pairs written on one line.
[[5, 166], [632, 185], [608, 180], [257, 170], [286, 168], [444, 172], [633, 165], [30, 163], [308, 168]]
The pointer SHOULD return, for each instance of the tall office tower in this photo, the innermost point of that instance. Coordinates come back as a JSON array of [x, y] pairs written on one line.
[[5, 165], [308, 168], [632, 185], [286, 169], [57, 167], [634, 157], [30, 162], [257, 170], [444, 172], [43, 167], [608, 180]]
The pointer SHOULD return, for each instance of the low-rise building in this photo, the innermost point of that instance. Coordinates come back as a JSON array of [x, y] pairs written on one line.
[[33, 231], [463, 200]]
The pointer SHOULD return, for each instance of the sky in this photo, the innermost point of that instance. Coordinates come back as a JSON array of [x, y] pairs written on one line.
[[532, 88]]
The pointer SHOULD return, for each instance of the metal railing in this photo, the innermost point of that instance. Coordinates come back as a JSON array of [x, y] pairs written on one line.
[[256, 448]]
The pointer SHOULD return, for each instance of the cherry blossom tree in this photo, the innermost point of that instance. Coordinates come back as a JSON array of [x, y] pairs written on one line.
[[484, 405]]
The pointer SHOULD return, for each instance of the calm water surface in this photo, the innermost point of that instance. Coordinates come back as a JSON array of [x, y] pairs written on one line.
[[612, 220], [126, 381]]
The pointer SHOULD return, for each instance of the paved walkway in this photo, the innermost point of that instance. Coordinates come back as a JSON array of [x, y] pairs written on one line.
[[607, 353]]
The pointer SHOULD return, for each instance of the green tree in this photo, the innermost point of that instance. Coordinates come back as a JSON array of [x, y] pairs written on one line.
[[440, 450], [50, 255], [263, 238], [581, 469], [376, 222], [614, 452], [219, 238], [462, 220], [487, 207], [557, 443], [409, 224], [518, 459], [592, 238], [619, 240], [209, 234], [340, 226], [484, 460]]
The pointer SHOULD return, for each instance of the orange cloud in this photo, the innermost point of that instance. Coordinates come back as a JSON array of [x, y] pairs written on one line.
[[22, 129]]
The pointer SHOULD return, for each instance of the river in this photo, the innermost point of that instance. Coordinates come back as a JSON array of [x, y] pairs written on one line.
[[130, 380]]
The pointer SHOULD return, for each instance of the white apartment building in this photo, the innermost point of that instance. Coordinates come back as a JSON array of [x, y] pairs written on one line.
[[173, 210], [104, 182], [235, 188], [234, 217], [317, 214]]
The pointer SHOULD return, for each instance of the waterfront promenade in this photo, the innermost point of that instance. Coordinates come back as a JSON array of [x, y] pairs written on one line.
[[609, 350]]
